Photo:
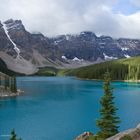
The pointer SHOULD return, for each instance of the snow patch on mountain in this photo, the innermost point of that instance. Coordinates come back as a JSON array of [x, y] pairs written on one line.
[[127, 56], [67, 37], [64, 57], [74, 59], [77, 59], [124, 49], [15, 46], [14, 26], [109, 57]]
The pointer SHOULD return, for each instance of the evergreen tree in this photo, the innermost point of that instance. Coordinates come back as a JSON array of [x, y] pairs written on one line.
[[14, 136], [108, 121], [13, 85], [0, 80], [5, 82]]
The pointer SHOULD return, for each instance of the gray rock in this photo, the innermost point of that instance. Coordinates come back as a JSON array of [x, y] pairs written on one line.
[[133, 133], [84, 136]]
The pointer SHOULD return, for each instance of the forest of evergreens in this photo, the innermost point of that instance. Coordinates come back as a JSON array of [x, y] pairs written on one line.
[[7, 84], [123, 69]]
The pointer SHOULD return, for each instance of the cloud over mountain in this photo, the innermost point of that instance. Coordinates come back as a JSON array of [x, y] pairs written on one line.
[[53, 17]]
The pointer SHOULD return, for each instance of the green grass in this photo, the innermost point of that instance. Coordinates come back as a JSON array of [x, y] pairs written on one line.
[[126, 137], [47, 71], [130, 61], [95, 138]]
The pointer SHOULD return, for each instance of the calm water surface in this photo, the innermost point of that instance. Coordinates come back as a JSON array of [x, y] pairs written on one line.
[[60, 108]]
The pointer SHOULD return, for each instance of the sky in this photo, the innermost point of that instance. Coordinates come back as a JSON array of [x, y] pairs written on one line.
[[116, 18]]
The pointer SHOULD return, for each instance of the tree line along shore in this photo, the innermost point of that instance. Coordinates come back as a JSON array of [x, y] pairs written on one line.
[[7, 85]]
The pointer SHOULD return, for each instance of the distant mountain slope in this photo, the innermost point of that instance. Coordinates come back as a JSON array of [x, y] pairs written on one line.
[[87, 46], [123, 69], [4, 69]]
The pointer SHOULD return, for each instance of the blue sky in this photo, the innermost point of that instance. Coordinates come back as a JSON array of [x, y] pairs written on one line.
[[126, 7], [117, 18]]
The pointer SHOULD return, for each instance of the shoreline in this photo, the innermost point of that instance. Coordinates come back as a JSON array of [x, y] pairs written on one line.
[[129, 81], [133, 133], [10, 94]]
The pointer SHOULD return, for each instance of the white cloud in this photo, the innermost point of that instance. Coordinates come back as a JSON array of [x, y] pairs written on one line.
[[53, 17], [135, 2], [130, 25]]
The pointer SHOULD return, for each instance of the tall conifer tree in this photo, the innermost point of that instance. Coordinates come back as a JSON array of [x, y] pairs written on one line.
[[14, 136], [108, 123]]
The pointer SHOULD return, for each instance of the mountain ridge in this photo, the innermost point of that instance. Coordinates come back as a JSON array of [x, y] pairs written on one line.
[[63, 51]]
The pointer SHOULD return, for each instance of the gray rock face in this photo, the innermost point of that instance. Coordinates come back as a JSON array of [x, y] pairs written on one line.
[[89, 47], [64, 50], [133, 133]]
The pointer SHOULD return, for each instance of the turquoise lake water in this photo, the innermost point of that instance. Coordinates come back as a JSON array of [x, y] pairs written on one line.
[[60, 108]]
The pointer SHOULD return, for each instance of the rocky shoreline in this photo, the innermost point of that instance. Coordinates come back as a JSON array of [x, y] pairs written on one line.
[[6, 94], [131, 134], [134, 133]]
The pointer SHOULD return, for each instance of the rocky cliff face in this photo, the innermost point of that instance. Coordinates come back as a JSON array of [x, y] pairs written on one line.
[[25, 52], [22, 51], [89, 47]]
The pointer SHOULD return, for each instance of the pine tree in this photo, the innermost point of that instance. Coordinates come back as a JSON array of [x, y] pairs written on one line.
[[14, 136], [13, 85], [5, 82], [108, 121]]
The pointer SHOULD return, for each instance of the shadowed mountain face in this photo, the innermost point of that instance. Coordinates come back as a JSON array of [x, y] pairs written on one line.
[[36, 50], [89, 47]]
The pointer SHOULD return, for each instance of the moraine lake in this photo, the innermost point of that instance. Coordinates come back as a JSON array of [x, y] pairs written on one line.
[[60, 108]]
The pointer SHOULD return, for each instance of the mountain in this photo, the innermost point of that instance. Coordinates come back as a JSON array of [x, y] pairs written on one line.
[[88, 46], [122, 69], [25, 52], [22, 51]]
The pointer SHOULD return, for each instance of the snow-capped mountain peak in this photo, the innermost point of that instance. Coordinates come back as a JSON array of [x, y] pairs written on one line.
[[14, 24], [5, 27]]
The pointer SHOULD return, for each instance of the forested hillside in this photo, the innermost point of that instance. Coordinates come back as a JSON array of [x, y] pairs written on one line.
[[123, 69]]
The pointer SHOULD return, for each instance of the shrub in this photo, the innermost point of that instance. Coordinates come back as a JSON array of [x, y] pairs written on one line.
[[126, 137]]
